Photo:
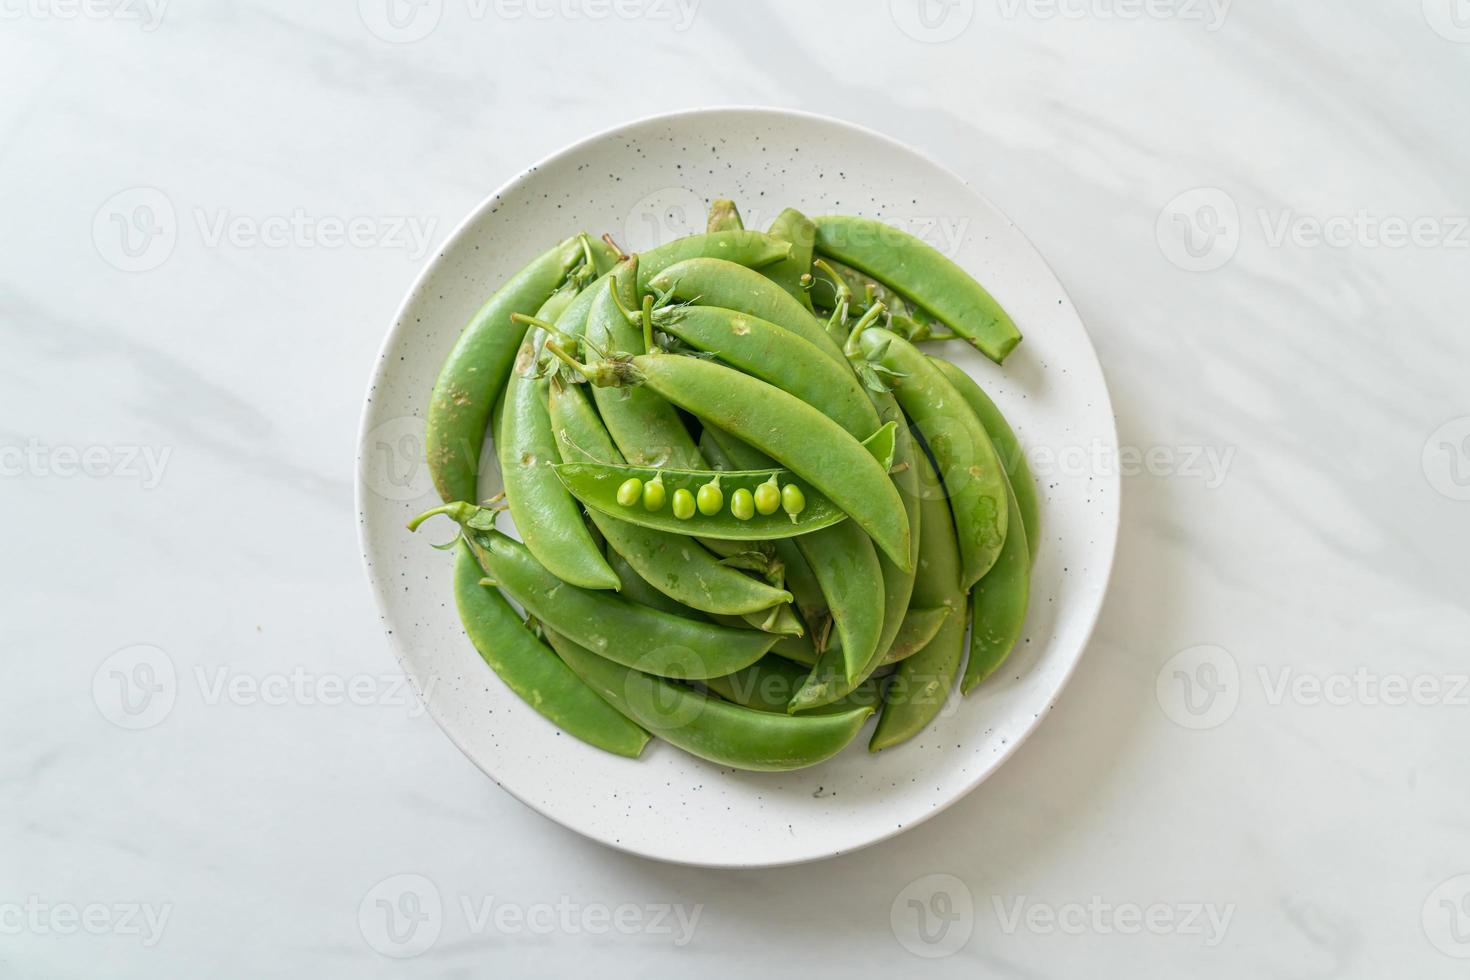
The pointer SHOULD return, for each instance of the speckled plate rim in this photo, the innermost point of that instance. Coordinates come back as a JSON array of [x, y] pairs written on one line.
[[379, 585]]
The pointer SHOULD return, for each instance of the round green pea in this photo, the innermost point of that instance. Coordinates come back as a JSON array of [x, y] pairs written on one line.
[[793, 501], [711, 499], [654, 494], [683, 504], [630, 491], [742, 504], [768, 497]]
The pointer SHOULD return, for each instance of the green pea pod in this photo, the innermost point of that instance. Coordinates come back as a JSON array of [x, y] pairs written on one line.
[[747, 249], [812, 446], [645, 426], [636, 589], [767, 685], [998, 605], [851, 576], [598, 485], [672, 563], [794, 227], [967, 463], [476, 370], [725, 734], [766, 351], [725, 216], [798, 576], [530, 669], [918, 628], [1007, 447], [833, 677], [711, 282], [923, 275], [546, 515], [919, 686], [816, 610], [628, 632]]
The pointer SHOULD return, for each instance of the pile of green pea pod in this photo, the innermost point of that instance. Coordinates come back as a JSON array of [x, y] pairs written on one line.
[[752, 512]]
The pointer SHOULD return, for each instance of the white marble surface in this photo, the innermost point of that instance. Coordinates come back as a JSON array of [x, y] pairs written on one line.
[[1303, 516]]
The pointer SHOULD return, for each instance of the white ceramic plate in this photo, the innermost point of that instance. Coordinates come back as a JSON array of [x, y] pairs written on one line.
[[648, 182]]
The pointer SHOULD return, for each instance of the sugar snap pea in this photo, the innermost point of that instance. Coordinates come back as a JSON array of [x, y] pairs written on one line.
[[849, 574], [748, 249], [476, 370], [922, 274], [998, 605], [597, 486], [797, 436], [628, 632], [671, 562], [1007, 448], [723, 733], [637, 589], [711, 282], [918, 628], [722, 450], [794, 227], [767, 685], [919, 686], [771, 353], [645, 427], [547, 516], [967, 463], [530, 669], [833, 677]]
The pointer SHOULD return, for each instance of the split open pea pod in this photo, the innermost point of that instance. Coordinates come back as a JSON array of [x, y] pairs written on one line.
[[601, 486]]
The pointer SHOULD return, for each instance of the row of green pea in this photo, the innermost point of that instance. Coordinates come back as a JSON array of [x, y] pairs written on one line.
[[766, 499]]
